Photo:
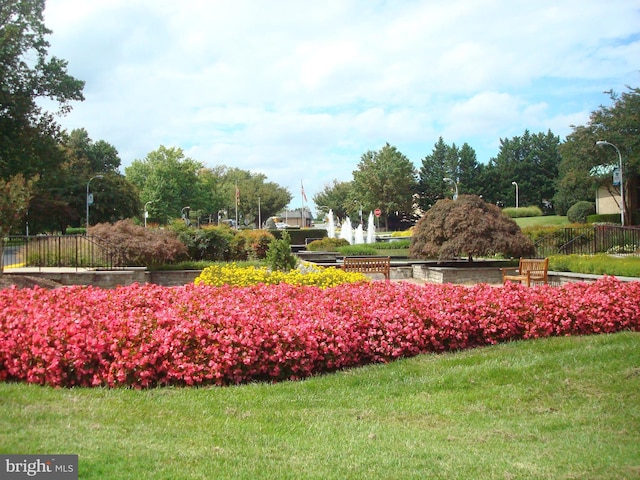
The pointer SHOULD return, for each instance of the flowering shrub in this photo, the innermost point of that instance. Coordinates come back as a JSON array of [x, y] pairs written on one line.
[[144, 336], [230, 274]]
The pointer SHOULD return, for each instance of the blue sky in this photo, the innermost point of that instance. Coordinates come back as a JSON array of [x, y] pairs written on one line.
[[300, 89]]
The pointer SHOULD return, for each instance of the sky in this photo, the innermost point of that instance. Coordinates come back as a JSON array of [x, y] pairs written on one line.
[[299, 90]]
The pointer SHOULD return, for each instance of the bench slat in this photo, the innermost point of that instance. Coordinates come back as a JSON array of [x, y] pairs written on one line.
[[368, 265], [529, 269]]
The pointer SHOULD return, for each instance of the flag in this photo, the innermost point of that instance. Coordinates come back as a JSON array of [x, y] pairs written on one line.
[[304, 196]]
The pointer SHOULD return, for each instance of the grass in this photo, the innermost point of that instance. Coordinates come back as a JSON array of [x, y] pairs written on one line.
[[543, 220], [557, 408]]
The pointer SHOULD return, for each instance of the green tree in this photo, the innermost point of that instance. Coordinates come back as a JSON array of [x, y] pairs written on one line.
[[468, 227], [531, 161], [171, 181], [15, 194], [60, 200], [385, 179], [431, 188], [253, 190], [618, 124], [28, 134], [336, 197], [447, 161]]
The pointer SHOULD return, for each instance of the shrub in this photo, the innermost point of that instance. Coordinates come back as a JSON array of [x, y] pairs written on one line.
[[250, 244], [279, 256], [137, 245], [327, 245], [393, 245], [522, 212], [604, 218], [207, 243], [403, 233], [357, 250], [300, 236], [468, 227], [579, 212]]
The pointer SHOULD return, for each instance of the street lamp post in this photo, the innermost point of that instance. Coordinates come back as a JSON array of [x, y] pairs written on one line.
[[517, 193], [87, 218], [604, 142], [146, 213], [447, 179]]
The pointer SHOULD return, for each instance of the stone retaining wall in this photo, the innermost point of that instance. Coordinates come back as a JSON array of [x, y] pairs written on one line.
[[426, 273]]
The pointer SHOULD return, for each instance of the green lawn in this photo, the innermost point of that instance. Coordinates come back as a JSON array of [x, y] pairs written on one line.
[[561, 408], [538, 221]]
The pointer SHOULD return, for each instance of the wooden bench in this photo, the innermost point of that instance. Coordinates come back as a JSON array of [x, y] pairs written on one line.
[[529, 270], [368, 265]]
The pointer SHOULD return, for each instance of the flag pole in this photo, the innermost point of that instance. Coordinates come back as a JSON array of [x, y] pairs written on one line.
[[237, 197]]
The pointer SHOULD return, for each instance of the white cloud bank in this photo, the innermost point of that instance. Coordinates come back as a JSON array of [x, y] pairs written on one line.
[[299, 90]]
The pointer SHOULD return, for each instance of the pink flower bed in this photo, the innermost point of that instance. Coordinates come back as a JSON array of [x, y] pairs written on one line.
[[143, 336]]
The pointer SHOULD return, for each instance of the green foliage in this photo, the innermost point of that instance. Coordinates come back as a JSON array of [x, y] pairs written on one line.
[[28, 75], [15, 194], [604, 218], [393, 245], [357, 250], [467, 227], [170, 180], [385, 179], [532, 161], [207, 243], [75, 231], [201, 265], [545, 220], [336, 197], [451, 162], [250, 244], [600, 264], [537, 232], [617, 124], [522, 212], [579, 212], [279, 256], [327, 245]]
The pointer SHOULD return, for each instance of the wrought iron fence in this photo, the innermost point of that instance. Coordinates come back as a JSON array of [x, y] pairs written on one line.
[[613, 239], [75, 251]]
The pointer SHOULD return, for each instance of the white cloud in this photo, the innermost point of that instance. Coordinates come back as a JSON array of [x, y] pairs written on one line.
[[302, 89]]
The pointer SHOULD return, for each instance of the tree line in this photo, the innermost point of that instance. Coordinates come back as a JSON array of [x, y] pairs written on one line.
[[46, 173], [529, 170]]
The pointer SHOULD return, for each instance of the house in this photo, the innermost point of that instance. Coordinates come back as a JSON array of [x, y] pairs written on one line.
[[297, 217], [608, 192]]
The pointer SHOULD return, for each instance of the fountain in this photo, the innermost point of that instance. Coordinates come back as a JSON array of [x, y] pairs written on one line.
[[346, 231], [331, 225], [371, 230], [358, 235]]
